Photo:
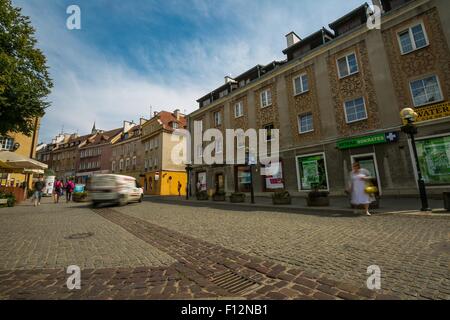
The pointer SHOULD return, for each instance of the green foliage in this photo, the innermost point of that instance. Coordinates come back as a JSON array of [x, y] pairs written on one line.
[[11, 198], [24, 77]]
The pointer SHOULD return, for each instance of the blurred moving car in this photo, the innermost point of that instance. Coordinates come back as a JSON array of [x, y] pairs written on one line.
[[115, 189]]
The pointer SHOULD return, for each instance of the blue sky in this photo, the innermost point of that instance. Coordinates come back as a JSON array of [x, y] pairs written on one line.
[[130, 55]]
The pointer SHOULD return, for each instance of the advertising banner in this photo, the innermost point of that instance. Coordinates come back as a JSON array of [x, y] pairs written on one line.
[[434, 160], [312, 172]]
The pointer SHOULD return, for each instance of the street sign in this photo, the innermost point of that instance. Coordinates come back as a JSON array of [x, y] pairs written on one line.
[[436, 111], [388, 137]]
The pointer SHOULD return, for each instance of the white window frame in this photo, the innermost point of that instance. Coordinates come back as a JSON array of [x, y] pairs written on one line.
[[427, 103], [240, 107], [266, 94], [365, 109], [301, 84], [348, 65], [411, 37], [127, 163], [219, 142], [133, 163], [300, 124], [6, 143], [113, 166]]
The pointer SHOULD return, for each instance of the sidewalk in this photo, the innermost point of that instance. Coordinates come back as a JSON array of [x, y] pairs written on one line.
[[339, 206]]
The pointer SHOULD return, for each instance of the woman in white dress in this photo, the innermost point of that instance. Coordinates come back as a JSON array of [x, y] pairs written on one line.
[[359, 177]]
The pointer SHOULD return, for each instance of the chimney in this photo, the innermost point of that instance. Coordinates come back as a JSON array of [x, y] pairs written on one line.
[[142, 121], [176, 113], [292, 39], [127, 125], [378, 4], [228, 79]]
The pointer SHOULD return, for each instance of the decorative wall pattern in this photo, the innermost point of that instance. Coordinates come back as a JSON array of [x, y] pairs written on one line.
[[352, 87], [434, 59], [301, 104]]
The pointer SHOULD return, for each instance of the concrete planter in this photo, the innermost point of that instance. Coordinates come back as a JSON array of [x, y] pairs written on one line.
[[80, 197], [281, 198], [219, 197], [202, 196], [237, 198], [323, 201]]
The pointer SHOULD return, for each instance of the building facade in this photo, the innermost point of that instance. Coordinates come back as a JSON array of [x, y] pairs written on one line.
[[336, 100], [128, 152], [162, 175]]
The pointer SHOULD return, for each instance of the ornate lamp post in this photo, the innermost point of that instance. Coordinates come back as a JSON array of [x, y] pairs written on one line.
[[250, 161], [409, 116]]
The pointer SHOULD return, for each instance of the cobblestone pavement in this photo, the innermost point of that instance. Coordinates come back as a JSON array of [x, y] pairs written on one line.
[[36, 238], [173, 252], [412, 252]]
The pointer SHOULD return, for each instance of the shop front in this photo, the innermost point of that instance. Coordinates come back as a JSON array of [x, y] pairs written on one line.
[[312, 172]]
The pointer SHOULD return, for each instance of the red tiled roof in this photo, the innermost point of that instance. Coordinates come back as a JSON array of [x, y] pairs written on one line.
[[167, 118]]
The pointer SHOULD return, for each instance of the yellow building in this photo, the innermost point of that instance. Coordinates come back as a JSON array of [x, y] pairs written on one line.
[[161, 175], [22, 145]]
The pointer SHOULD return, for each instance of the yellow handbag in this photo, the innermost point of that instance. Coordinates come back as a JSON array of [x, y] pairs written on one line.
[[371, 189]]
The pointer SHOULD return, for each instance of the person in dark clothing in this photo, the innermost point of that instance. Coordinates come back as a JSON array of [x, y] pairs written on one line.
[[179, 188], [38, 188]]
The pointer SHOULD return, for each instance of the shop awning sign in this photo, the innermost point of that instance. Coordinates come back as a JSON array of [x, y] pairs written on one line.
[[387, 137], [436, 111]]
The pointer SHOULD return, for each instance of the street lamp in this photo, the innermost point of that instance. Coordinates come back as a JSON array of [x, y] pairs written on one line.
[[250, 160], [409, 116]]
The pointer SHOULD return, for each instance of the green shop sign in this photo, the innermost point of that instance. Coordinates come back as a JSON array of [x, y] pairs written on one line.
[[388, 137]]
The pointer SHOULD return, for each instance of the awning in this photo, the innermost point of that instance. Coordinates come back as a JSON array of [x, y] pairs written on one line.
[[11, 162]]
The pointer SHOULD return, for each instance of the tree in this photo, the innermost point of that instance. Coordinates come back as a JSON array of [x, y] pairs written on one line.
[[24, 78]]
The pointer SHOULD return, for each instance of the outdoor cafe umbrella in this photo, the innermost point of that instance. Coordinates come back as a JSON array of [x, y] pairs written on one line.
[[11, 162]]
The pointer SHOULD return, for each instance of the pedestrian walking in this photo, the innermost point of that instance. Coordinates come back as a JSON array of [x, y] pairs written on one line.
[[69, 187], [38, 188], [57, 190], [179, 188], [359, 178]]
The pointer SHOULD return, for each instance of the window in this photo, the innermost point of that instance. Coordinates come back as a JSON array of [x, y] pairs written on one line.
[[269, 129], [312, 172], [223, 93], [305, 123], [219, 146], [134, 161], [425, 91], [146, 164], [355, 110], [412, 39], [238, 109], [6, 143], [174, 125], [301, 84], [347, 65], [121, 164], [217, 118], [266, 98], [113, 166], [156, 143], [127, 163], [155, 162]]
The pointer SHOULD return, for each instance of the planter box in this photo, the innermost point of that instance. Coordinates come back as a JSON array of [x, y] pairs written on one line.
[[202, 196], [237, 198], [219, 197], [318, 202], [80, 198], [281, 201]]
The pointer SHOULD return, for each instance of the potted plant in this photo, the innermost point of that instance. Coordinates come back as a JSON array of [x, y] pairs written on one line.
[[202, 195], [80, 196], [317, 198], [237, 197], [219, 196], [281, 197]]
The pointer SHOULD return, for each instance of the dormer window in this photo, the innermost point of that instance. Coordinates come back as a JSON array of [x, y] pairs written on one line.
[[175, 125]]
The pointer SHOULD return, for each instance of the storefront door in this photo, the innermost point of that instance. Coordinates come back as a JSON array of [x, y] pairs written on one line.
[[369, 162], [220, 183]]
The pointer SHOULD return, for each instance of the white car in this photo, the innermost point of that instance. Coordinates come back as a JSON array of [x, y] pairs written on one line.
[[114, 188]]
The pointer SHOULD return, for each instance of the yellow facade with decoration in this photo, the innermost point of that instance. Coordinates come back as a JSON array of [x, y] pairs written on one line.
[[164, 183]]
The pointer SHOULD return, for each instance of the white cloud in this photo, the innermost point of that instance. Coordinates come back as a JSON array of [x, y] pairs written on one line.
[[90, 86]]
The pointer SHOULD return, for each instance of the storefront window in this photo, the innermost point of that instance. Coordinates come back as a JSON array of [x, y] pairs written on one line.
[[312, 172], [434, 159], [274, 182], [243, 175], [201, 181]]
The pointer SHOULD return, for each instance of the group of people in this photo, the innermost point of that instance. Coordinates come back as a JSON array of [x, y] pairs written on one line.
[[59, 188]]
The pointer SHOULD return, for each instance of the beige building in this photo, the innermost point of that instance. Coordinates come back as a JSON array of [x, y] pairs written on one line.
[[161, 175], [128, 152], [336, 99]]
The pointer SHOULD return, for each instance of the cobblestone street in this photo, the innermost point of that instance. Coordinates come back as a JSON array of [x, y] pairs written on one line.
[[168, 251]]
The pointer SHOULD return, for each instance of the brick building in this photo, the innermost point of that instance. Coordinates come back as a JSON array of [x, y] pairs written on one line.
[[336, 99]]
